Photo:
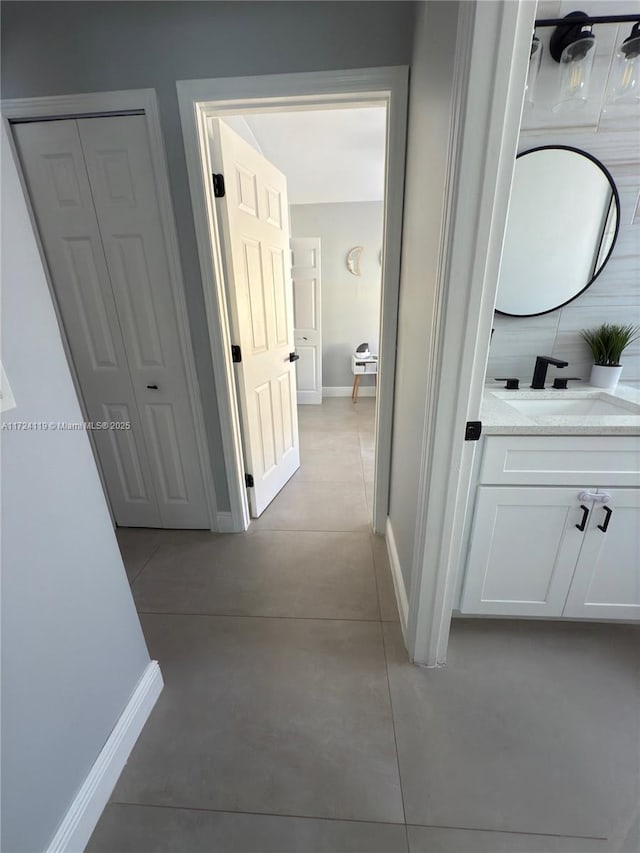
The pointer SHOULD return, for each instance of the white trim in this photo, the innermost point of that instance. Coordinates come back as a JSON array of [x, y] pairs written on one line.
[[309, 398], [487, 109], [347, 391], [398, 580], [199, 99], [142, 101], [225, 522], [88, 804]]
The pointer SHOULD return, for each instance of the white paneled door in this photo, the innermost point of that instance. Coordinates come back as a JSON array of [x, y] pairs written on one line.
[[93, 191], [307, 321], [254, 216]]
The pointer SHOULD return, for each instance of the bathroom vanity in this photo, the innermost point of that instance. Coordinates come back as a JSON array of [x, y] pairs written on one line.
[[553, 527]]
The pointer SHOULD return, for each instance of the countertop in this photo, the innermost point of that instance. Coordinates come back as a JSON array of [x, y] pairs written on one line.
[[499, 418]]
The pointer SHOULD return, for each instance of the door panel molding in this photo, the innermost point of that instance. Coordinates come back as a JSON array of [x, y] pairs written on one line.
[[202, 99], [125, 102]]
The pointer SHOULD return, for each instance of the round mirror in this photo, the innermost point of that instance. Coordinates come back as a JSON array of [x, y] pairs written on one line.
[[563, 222]]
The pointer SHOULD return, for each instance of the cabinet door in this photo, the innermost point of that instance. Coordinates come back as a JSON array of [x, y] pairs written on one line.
[[523, 551], [606, 583]]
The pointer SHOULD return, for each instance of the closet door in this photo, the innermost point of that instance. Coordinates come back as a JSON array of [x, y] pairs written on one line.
[[116, 152], [54, 168]]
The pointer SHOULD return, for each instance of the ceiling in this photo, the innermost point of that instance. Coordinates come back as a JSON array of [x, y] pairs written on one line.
[[334, 155]]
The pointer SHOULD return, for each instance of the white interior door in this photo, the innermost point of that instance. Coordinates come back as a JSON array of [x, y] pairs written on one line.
[[116, 151], [92, 188], [307, 316], [254, 216]]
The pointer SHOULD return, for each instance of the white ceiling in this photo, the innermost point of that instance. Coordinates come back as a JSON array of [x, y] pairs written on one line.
[[332, 155]]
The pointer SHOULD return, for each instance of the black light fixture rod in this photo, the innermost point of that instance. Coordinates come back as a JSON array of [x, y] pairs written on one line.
[[588, 19]]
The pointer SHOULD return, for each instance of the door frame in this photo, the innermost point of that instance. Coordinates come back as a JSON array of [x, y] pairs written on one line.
[[492, 57], [201, 99], [134, 102]]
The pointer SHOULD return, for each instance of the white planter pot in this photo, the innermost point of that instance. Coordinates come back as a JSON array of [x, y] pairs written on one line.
[[605, 377]]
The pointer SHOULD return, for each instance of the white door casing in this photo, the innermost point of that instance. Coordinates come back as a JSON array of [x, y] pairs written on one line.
[[91, 183], [307, 316], [606, 583], [254, 219]]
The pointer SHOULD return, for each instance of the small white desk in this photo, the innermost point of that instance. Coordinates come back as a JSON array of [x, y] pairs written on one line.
[[361, 366]]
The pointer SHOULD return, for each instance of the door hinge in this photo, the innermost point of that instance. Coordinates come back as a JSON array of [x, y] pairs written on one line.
[[236, 354], [218, 185], [248, 481], [473, 430]]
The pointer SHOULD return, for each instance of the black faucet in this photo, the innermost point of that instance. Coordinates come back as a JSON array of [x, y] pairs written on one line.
[[540, 370]]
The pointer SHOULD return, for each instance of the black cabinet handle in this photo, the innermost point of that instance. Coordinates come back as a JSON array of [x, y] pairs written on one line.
[[293, 356], [608, 513], [152, 387], [585, 516]]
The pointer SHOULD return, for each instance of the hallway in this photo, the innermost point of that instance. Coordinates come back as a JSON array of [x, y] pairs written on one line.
[[291, 721]]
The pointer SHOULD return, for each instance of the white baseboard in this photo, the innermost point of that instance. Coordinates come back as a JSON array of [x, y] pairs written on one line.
[[225, 522], [347, 390], [80, 820], [309, 398], [398, 579]]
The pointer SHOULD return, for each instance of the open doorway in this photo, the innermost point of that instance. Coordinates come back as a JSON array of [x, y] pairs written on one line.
[[206, 111], [305, 322]]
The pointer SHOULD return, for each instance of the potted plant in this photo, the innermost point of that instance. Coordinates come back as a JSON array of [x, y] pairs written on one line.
[[607, 343]]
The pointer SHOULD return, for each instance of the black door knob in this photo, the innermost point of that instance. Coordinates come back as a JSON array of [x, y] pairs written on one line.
[[293, 356]]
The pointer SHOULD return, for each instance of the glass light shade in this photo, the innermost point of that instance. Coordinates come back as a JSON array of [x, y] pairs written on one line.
[[624, 79], [534, 67], [576, 63]]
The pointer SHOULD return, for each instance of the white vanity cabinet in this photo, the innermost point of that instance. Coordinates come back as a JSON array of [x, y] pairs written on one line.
[[540, 547], [606, 582]]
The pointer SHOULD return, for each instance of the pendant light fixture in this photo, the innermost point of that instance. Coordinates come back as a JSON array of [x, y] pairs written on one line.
[[624, 79], [572, 45], [535, 58]]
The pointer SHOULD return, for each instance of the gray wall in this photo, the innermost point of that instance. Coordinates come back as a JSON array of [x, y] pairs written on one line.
[[430, 112], [59, 48], [350, 304], [72, 648], [612, 298]]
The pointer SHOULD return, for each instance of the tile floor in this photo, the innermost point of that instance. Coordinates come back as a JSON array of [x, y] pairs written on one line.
[[291, 721]]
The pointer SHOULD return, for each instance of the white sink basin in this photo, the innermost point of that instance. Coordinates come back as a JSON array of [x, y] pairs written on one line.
[[568, 406]]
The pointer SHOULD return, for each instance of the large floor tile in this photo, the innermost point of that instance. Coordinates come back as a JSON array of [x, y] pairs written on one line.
[[149, 829], [265, 573], [336, 466], [430, 839], [320, 440], [137, 546], [532, 727], [317, 506], [275, 716]]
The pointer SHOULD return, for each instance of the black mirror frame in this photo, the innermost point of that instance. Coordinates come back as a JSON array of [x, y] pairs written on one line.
[[616, 196]]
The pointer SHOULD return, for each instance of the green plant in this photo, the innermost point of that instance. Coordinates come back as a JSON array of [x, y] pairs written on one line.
[[608, 342]]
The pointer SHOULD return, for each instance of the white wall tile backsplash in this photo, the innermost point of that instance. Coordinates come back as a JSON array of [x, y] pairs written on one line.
[[615, 295]]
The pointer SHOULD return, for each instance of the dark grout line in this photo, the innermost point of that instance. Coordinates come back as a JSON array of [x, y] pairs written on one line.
[[144, 565], [261, 616], [508, 831], [258, 814], [393, 723]]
